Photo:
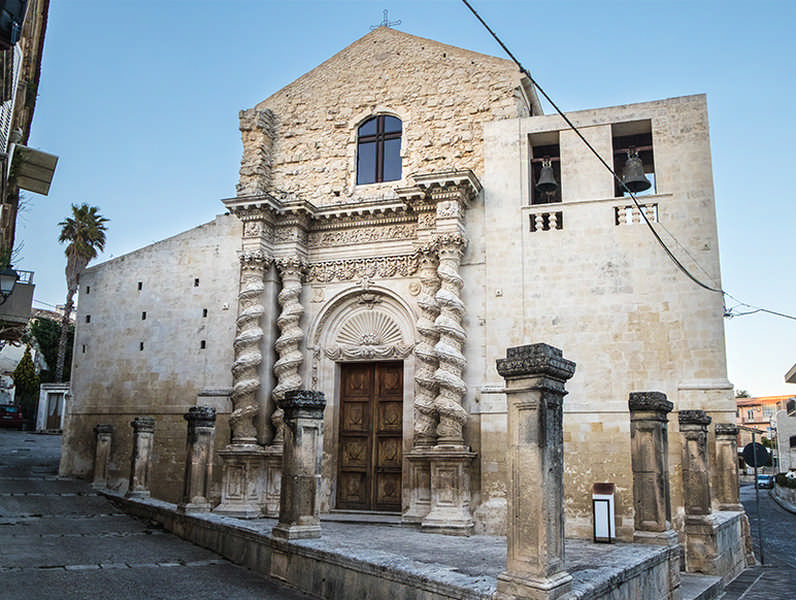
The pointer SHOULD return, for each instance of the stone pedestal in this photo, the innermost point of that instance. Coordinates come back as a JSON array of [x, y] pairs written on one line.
[[102, 456], [199, 459], [299, 507], [242, 477], [649, 449], [449, 476], [535, 377], [141, 463], [419, 459], [700, 539], [727, 485]]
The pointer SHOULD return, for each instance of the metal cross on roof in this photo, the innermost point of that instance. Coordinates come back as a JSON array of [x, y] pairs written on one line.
[[385, 21]]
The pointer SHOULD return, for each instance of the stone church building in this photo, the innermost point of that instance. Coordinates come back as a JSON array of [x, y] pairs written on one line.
[[387, 244]]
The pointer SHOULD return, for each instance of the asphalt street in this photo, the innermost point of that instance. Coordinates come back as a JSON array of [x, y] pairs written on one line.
[[776, 578], [61, 540]]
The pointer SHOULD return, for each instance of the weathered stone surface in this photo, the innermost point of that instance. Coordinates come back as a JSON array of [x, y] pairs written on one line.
[[104, 433], [727, 490], [141, 460], [649, 401], [199, 459], [535, 564], [299, 507]]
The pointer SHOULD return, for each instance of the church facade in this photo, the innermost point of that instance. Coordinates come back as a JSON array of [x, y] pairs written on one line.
[[388, 242]]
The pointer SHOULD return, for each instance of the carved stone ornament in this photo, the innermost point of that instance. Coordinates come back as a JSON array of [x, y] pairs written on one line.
[[252, 229], [355, 268], [369, 335], [363, 235]]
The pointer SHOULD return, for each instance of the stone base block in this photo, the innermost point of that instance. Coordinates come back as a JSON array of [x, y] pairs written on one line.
[[667, 538], [242, 484], [450, 492], [715, 544], [512, 587], [296, 532], [194, 507]]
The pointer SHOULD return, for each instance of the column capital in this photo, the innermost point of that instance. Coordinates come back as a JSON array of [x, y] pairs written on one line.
[[101, 429], [535, 360], [694, 417], [143, 424], [298, 403], [201, 416], [728, 429], [649, 401]]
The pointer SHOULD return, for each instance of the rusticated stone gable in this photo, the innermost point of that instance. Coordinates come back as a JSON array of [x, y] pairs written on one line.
[[442, 94]]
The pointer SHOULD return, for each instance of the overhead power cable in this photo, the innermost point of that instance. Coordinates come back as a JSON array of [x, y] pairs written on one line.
[[619, 180]]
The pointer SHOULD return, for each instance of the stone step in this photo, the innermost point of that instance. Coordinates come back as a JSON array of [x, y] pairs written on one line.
[[700, 587]]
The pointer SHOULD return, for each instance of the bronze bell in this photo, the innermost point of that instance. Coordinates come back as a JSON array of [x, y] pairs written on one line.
[[547, 183], [633, 174]]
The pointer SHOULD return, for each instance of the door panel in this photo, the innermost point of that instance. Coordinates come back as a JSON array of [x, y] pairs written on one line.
[[371, 436]]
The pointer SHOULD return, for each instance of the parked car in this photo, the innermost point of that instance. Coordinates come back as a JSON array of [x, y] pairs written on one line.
[[11, 416], [765, 481]]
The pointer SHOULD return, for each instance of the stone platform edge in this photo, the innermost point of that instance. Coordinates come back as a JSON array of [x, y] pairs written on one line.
[[328, 574], [314, 571]]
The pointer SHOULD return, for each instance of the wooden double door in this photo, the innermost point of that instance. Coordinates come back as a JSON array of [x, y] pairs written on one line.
[[371, 436]]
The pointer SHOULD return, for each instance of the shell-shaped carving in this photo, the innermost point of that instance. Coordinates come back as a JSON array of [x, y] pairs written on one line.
[[370, 328]]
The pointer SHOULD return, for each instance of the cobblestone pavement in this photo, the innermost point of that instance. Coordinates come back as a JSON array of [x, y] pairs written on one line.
[[776, 579], [58, 539]]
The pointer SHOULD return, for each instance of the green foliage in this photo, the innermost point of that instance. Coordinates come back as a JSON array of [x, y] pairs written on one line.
[[783, 480], [768, 443], [47, 333], [742, 394], [26, 383]]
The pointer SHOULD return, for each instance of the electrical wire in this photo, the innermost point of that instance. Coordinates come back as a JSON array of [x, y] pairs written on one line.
[[618, 179]]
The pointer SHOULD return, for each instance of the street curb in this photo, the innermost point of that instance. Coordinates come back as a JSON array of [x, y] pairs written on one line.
[[782, 503]]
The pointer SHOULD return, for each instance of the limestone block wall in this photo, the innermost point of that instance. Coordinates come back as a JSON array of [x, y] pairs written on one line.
[[154, 328], [601, 288], [442, 94]]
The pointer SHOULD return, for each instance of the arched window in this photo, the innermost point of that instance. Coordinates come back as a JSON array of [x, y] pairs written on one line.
[[379, 150]]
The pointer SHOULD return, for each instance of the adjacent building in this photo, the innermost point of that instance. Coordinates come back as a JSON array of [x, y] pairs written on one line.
[[388, 241]]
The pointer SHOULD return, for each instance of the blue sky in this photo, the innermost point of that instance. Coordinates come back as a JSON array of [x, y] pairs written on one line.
[[140, 101]]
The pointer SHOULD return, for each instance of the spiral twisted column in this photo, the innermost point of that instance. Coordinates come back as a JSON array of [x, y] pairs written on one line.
[[448, 350], [288, 344], [426, 387], [248, 358]]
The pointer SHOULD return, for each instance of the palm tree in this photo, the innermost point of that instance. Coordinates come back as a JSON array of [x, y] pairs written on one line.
[[85, 232]]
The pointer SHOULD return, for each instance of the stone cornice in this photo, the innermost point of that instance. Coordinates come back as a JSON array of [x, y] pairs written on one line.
[[730, 429], [693, 417]]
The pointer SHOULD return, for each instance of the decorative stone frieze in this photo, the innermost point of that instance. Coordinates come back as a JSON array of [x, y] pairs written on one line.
[[141, 460], [199, 459], [102, 455], [649, 450], [362, 233], [299, 509], [288, 345], [727, 486], [248, 354], [382, 267], [448, 350], [535, 376]]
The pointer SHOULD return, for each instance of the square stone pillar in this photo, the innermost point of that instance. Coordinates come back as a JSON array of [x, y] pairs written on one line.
[[299, 508], [535, 376], [649, 451], [696, 475], [102, 456], [141, 463], [727, 485], [198, 459], [701, 546]]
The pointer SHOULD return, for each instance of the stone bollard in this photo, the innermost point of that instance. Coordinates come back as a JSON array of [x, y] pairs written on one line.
[[102, 456], [535, 376], [199, 459], [727, 486], [141, 463], [649, 450], [299, 506]]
